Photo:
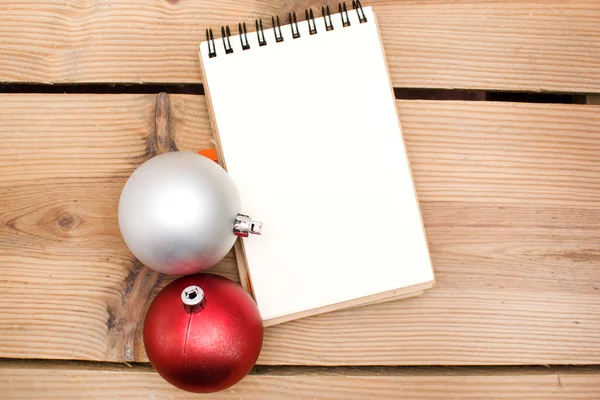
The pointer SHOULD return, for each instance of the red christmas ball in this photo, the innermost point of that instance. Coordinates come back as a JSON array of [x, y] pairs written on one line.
[[203, 333]]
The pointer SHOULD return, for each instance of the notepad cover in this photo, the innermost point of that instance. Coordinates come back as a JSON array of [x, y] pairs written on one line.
[[309, 132]]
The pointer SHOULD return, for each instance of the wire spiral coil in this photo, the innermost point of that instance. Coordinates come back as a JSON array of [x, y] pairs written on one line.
[[276, 24]]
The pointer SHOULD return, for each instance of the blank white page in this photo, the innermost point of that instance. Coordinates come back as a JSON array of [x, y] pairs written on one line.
[[310, 135]]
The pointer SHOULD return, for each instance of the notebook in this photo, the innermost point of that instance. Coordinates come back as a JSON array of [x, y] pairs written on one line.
[[306, 123]]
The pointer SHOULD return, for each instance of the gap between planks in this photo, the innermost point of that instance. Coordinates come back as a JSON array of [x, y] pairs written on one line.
[[315, 370], [401, 93]]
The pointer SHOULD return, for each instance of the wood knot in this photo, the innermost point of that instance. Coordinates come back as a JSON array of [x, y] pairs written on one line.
[[67, 221]]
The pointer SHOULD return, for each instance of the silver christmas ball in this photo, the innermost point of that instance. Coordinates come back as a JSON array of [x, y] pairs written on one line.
[[177, 213]]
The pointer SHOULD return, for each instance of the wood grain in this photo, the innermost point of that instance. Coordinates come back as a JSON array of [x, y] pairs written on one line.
[[510, 45], [138, 383], [510, 198]]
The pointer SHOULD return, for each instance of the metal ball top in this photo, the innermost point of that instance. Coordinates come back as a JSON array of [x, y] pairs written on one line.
[[244, 226], [193, 298]]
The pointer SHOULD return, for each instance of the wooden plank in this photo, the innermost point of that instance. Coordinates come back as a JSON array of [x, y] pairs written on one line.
[[138, 383], [508, 45], [73, 138], [510, 201], [70, 287]]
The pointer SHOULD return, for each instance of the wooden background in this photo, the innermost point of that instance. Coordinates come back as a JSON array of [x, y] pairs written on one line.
[[510, 195]]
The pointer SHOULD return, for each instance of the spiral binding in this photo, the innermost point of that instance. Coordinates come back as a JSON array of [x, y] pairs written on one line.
[[293, 23]]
